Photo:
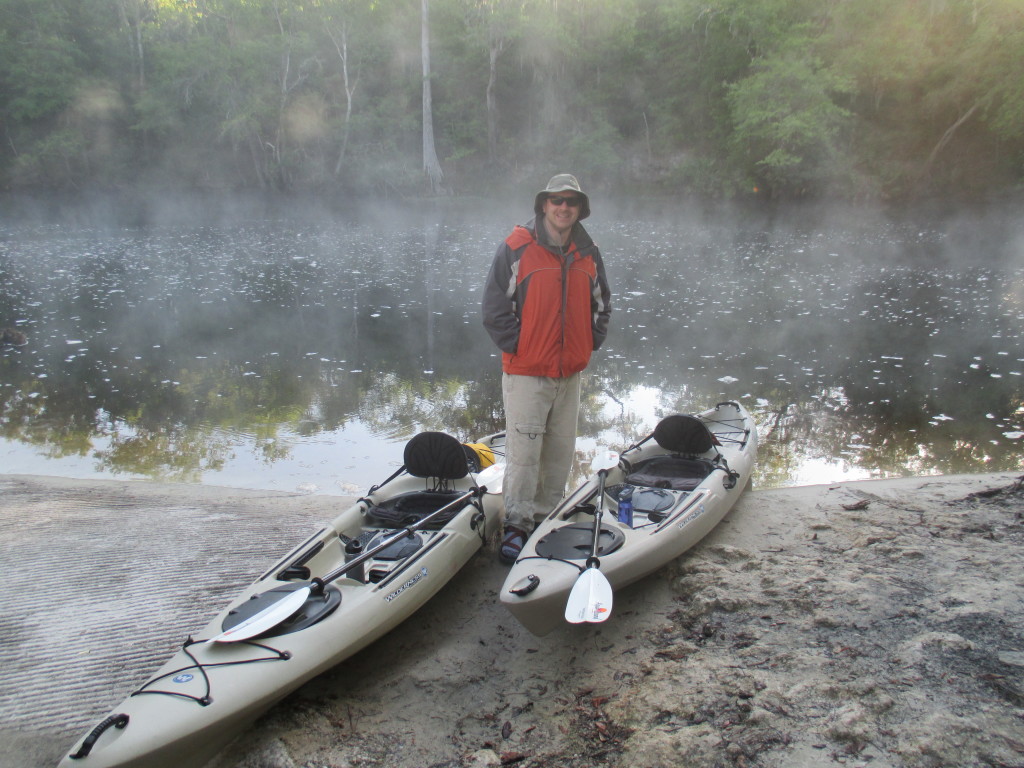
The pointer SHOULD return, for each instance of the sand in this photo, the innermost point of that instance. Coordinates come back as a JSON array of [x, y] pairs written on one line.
[[873, 623], [860, 624]]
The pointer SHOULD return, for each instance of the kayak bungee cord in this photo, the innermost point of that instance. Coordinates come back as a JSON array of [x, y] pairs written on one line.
[[728, 436], [553, 559], [206, 699]]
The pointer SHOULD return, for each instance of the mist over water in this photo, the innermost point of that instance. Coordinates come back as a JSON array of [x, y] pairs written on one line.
[[301, 354]]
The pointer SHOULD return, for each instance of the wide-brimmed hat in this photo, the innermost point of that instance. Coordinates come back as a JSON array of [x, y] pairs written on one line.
[[563, 182]]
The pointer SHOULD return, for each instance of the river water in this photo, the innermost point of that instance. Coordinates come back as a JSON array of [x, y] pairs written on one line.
[[301, 353]]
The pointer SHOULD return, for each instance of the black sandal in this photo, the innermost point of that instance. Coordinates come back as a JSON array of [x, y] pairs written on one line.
[[512, 544]]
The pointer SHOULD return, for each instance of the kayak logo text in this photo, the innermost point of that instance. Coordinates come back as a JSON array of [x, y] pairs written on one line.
[[692, 515], [410, 583]]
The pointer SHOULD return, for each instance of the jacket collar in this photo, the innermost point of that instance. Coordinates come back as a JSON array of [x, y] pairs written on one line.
[[579, 236]]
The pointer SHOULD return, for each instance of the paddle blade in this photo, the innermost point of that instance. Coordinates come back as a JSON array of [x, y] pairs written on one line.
[[266, 619], [604, 459], [590, 599]]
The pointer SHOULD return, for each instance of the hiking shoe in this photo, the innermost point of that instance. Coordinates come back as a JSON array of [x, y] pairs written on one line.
[[511, 544]]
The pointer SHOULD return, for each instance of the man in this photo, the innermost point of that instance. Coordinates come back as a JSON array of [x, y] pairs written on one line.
[[546, 305]]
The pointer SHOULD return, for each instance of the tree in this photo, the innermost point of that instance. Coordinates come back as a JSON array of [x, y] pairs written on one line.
[[135, 15], [701, 96], [939, 100], [787, 121], [496, 25], [431, 165], [982, 78], [340, 40]]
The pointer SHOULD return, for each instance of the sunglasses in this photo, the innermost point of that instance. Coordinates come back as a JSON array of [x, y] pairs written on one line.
[[572, 202]]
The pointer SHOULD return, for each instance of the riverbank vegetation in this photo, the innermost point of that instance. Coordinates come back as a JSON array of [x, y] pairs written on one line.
[[856, 99]]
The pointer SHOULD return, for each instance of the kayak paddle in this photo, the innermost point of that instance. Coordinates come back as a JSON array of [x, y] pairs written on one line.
[[488, 481], [591, 597]]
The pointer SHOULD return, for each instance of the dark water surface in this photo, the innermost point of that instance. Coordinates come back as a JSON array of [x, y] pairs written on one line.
[[288, 354]]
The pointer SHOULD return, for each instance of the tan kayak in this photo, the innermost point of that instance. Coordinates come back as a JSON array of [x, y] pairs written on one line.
[[684, 478], [346, 586]]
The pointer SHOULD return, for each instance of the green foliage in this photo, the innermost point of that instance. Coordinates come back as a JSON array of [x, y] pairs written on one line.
[[593, 151], [50, 162], [787, 121], [797, 97]]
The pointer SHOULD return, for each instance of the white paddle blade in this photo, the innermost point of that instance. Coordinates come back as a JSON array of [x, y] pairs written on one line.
[[604, 459], [491, 478], [590, 599], [266, 619]]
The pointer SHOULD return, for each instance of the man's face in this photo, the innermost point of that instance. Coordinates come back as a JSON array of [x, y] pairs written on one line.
[[561, 211]]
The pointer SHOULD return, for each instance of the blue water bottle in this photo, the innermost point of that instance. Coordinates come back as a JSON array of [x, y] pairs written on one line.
[[626, 505]]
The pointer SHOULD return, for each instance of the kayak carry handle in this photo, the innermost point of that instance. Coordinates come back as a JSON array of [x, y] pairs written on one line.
[[118, 721]]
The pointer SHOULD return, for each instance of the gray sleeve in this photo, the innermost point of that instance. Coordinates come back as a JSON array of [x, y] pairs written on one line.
[[499, 308], [601, 301]]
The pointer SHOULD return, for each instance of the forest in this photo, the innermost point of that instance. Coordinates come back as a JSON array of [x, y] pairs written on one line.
[[861, 100]]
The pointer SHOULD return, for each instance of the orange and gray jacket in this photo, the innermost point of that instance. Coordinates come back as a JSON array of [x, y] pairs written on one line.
[[546, 306]]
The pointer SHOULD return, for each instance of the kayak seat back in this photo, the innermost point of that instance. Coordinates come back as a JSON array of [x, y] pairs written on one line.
[[437, 456], [409, 508], [676, 473], [684, 434]]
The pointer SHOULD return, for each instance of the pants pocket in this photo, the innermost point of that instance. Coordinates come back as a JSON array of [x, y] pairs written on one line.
[[530, 431]]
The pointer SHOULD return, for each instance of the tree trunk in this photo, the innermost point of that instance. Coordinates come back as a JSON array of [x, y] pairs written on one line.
[[341, 46], [948, 136], [496, 46], [430, 162], [132, 19], [256, 152]]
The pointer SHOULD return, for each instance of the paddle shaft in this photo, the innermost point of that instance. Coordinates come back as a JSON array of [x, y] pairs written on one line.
[[283, 609], [341, 570], [593, 561]]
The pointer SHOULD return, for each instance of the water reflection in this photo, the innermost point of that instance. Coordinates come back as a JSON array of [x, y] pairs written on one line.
[[302, 356]]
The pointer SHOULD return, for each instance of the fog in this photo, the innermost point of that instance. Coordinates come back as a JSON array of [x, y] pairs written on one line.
[[246, 343]]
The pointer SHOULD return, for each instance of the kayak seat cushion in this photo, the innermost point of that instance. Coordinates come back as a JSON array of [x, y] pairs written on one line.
[[684, 434], [409, 508], [677, 473], [436, 455]]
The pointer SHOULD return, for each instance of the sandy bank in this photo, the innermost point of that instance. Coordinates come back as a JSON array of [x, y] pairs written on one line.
[[874, 623]]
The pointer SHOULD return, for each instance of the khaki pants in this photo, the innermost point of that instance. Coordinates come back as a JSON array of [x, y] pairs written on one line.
[[540, 426]]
